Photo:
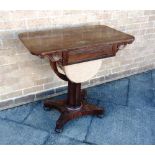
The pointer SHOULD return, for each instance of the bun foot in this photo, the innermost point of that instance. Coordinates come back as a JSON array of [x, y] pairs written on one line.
[[46, 108], [58, 130], [100, 116]]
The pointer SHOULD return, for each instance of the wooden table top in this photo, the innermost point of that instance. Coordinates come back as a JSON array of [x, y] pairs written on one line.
[[52, 40]]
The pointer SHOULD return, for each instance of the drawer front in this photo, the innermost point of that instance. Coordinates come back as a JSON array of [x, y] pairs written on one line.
[[87, 54]]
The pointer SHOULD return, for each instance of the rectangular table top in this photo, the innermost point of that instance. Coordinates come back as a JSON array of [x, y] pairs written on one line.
[[39, 42]]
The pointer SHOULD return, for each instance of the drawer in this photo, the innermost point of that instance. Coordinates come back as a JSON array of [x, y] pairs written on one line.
[[87, 54]]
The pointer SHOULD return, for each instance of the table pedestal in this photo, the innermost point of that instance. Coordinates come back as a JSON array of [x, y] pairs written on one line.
[[74, 106]]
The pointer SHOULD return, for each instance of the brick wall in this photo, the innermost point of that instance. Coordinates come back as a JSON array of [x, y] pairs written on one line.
[[25, 78]]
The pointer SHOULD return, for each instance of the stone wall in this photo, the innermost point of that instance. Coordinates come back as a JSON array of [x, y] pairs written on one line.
[[25, 78]]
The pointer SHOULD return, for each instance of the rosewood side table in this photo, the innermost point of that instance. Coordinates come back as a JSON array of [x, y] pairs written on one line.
[[68, 47]]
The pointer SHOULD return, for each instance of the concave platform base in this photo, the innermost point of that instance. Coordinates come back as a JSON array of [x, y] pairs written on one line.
[[68, 113], [74, 106]]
